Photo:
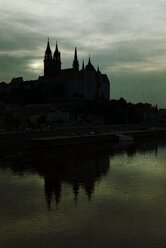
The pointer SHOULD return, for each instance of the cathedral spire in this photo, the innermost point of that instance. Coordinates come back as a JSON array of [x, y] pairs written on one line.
[[48, 53], [89, 66], [57, 59], [56, 48], [75, 61], [98, 69], [89, 61], [75, 54], [48, 61], [56, 52]]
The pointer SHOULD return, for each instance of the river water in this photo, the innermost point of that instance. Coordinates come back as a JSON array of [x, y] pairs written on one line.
[[89, 196]]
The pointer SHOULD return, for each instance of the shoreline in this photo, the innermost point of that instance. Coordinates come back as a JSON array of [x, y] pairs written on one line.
[[78, 135], [13, 146]]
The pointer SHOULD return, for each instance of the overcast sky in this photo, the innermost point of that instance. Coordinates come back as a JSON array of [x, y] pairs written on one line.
[[127, 38]]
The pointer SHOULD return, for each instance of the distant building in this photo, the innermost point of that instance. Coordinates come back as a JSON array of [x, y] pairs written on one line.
[[86, 82], [58, 84]]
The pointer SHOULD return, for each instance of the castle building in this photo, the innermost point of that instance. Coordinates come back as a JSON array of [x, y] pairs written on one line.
[[87, 82]]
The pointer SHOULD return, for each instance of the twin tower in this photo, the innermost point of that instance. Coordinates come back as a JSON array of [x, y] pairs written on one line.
[[52, 63]]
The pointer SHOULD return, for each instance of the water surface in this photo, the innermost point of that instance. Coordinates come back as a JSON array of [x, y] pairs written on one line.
[[88, 196]]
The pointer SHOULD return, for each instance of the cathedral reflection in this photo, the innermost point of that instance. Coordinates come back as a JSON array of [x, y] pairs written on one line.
[[80, 167], [52, 189], [81, 172]]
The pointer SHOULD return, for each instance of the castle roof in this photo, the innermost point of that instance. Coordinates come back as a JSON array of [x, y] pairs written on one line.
[[89, 66]]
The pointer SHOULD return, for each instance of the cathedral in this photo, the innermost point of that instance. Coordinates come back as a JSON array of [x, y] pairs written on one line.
[[87, 82]]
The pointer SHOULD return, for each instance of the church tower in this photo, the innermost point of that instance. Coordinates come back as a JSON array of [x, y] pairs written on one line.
[[48, 61], [83, 66], [56, 60], [75, 61]]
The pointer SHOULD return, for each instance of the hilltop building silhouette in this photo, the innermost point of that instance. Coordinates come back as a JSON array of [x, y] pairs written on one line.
[[59, 96], [57, 83], [86, 82], [71, 96]]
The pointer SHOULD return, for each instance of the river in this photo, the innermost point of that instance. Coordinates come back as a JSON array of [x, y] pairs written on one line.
[[103, 195]]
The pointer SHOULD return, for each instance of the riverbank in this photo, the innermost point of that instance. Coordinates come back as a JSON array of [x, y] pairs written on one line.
[[94, 137], [138, 130], [20, 142]]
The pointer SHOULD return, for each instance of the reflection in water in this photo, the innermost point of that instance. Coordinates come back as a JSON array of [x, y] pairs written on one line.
[[80, 167], [76, 169], [125, 185]]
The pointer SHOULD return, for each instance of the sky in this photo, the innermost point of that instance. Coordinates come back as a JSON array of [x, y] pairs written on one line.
[[126, 38]]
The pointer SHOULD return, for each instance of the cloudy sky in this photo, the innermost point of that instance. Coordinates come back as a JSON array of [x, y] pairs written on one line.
[[127, 38]]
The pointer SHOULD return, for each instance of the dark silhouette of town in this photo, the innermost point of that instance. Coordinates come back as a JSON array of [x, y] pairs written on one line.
[[72, 96]]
